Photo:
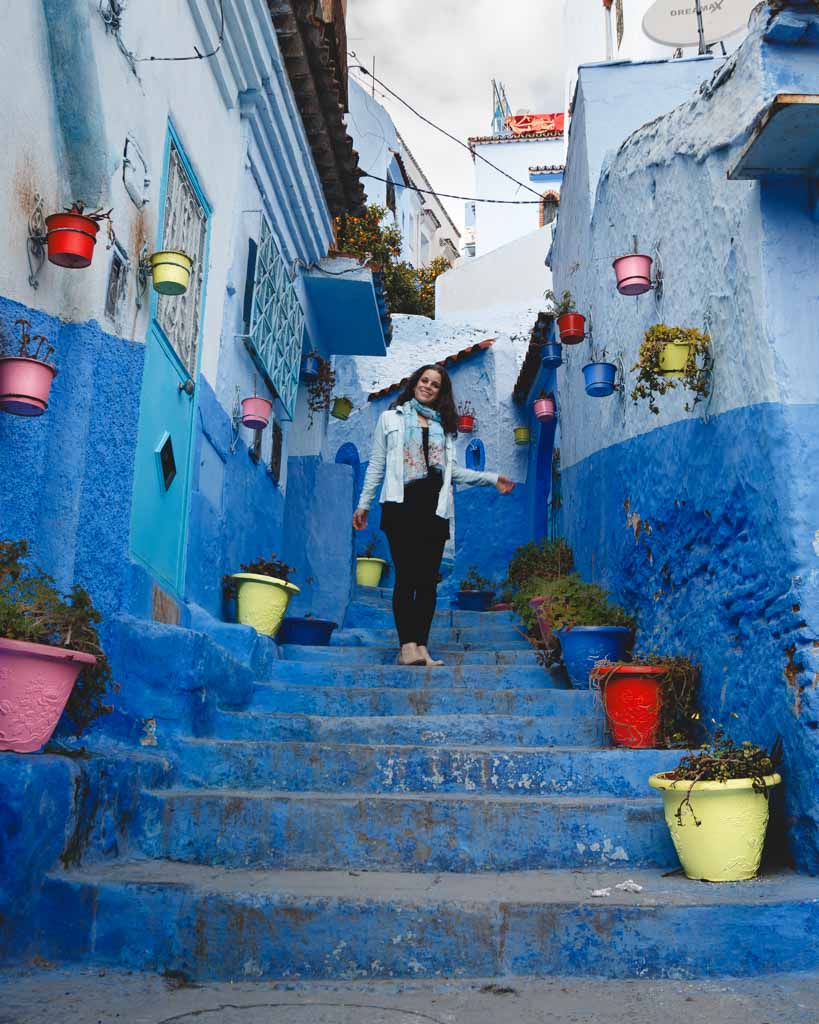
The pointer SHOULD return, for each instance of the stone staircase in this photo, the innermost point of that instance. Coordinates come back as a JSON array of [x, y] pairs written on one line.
[[364, 820]]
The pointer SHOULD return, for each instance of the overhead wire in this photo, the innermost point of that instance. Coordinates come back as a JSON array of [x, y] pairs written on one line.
[[448, 195]]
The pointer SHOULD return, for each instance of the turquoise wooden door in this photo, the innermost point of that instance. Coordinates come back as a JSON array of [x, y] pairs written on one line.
[[161, 495]]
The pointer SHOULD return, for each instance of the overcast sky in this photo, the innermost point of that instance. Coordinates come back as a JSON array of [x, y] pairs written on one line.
[[441, 56]]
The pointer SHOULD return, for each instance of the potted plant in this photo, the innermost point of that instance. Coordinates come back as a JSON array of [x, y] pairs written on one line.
[[25, 378], [342, 407], [633, 273], [599, 376], [670, 356], [551, 355], [72, 235], [466, 418], [650, 701], [368, 568], [306, 630], [570, 323], [544, 407], [311, 368], [521, 435], [589, 627], [531, 569], [319, 387], [263, 591], [50, 655], [716, 807], [170, 271], [476, 592]]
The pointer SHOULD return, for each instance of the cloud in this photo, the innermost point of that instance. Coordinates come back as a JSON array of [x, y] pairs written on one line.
[[441, 56]]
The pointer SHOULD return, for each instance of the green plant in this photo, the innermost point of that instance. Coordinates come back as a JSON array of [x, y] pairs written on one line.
[[369, 548], [696, 376], [559, 306], [547, 560], [260, 567], [33, 609], [320, 390], [577, 603], [722, 759], [679, 687], [474, 581]]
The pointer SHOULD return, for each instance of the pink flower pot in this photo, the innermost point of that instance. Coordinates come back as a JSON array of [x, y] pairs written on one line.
[[35, 683], [25, 384], [633, 274], [256, 412], [540, 606], [544, 408]]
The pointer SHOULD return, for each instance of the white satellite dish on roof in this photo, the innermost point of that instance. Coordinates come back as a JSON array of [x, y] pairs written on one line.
[[674, 22]]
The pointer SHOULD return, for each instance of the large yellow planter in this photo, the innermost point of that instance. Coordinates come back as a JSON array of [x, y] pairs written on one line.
[[673, 358], [262, 601], [727, 844], [171, 271], [368, 571]]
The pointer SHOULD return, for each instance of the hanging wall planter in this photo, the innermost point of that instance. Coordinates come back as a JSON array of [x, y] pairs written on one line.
[[72, 235], [572, 327], [170, 271], [521, 435], [466, 418], [25, 378], [633, 273], [673, 359], [599, 378], [342, 407], [544, 409], [310, 368], [551, 355], [256, 412]]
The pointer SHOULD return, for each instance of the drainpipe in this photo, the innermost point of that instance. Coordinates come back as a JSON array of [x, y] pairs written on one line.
[[78, 100]]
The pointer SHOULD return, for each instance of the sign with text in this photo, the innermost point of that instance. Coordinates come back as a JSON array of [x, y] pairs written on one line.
[[674, 22]]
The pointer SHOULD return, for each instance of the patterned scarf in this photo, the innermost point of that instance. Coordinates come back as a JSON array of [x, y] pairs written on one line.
[[415, 465]]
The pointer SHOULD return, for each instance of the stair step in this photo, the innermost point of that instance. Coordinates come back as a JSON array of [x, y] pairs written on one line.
[[357, 701], [363, 610], [471, 677], [367, 768], [437, 730], [211, 924], [402, 832], [368, 655], [446, 636]]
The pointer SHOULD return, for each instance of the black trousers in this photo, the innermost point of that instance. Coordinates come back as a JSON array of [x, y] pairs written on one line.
[[417, 561]]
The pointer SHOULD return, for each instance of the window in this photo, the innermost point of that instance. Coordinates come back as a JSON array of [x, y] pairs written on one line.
[[276, 322], [390, 193], [618, 10], [117, 284], [548, 208], [185, 228]]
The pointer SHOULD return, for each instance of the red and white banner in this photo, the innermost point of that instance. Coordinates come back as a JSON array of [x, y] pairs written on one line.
[[532, 124]]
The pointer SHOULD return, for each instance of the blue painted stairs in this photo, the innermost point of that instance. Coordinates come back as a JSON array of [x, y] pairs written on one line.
[[362, 819]]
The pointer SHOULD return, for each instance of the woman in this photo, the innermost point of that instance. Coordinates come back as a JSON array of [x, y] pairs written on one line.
[[414, 449]]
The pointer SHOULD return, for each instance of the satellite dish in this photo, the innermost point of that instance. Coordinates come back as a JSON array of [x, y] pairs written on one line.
[[674, 22]]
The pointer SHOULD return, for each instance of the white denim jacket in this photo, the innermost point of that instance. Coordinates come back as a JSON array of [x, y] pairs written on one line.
[[387, 464]]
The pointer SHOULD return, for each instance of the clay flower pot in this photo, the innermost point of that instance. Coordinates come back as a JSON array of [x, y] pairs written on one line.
[[71, 240], [25, 385]]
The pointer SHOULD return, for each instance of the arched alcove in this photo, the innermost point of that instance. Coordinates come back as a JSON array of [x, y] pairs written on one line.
[[475, 456]]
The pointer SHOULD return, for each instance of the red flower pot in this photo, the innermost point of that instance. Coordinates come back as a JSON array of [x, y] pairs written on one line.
[[633, 274], [256, 412], [71, 240], [544, 408], [572, 327], [632, 700], [25, 384], [466, 424]]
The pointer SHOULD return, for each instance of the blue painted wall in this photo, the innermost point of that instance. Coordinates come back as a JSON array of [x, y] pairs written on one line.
[[707, 529]]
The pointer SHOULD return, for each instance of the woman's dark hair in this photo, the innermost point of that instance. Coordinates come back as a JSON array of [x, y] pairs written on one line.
[[445, 403]]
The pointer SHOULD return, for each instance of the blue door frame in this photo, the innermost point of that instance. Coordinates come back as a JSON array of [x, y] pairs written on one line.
[[160, 509]]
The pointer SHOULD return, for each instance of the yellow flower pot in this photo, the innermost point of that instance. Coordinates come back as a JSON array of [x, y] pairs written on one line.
[[726, 845], [521, 435], [342, 407], [171, 271], [261, 601], [673, 358], [368, 571]]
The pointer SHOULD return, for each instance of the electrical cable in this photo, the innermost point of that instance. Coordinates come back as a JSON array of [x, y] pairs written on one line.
[[466, 199], [113, 23], [437, 127]]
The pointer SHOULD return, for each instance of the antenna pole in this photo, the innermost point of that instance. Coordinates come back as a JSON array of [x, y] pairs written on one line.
[[700, 29]]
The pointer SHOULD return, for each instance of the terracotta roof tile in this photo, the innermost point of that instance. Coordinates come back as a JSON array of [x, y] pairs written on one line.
[[531, 361], [456, 357]]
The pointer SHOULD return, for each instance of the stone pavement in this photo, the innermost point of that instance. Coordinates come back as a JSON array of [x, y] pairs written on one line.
[[42, 995]]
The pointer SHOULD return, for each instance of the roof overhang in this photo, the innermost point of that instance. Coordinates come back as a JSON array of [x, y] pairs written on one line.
[[784, 141], [348, 307]]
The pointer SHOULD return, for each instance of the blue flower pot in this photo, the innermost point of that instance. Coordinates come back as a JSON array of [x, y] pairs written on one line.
[[308, 632], [584, 646], [310, 368], [551, 355], [600, 379], [475, 600]]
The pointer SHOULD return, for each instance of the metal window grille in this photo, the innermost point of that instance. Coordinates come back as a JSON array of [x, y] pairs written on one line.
[[186, 229], [276, 323], [117, 287]]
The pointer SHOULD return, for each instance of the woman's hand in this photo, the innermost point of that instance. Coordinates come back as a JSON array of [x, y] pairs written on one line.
[[505, 485], [360, 518]]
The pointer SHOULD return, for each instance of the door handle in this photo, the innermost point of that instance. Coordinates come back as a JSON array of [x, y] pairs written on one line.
[[187, 386]]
